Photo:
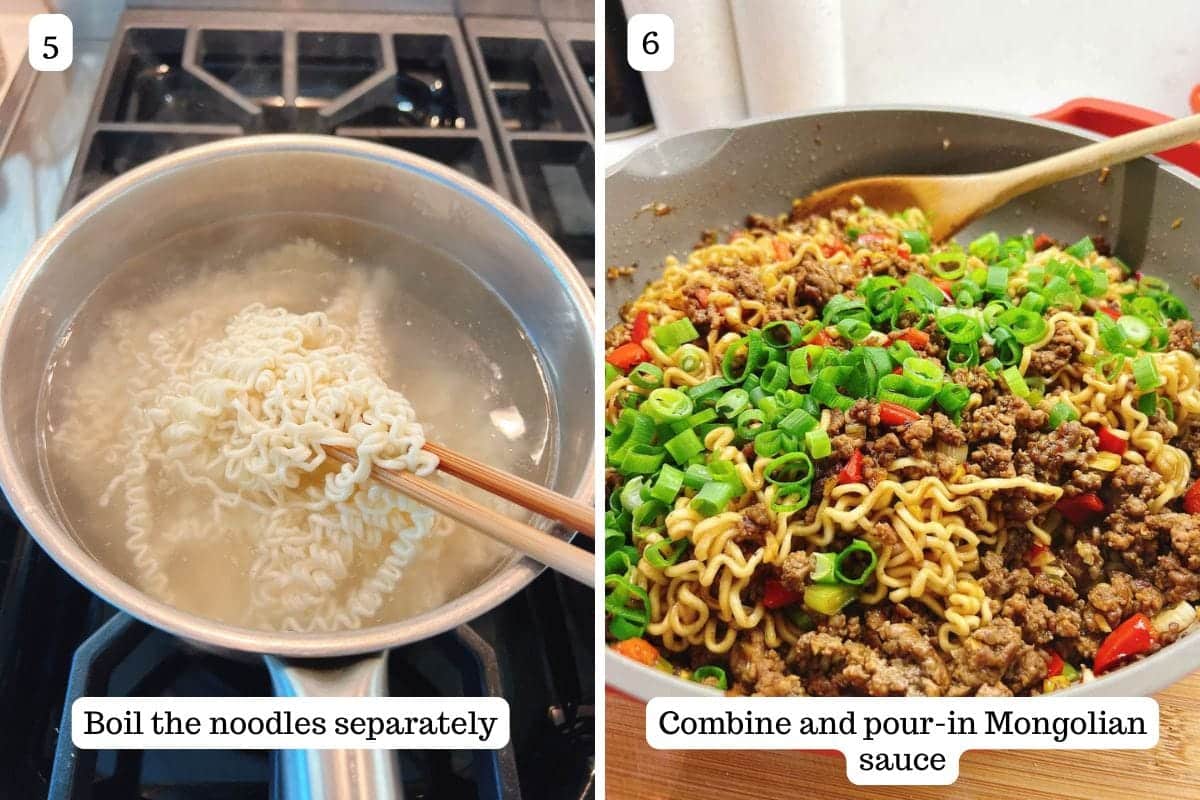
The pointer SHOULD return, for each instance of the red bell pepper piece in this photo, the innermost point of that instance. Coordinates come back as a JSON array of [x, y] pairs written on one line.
[[852, 472], [1080, 508], [1111, 443], [776, 595], [904, 251], [917, 338], [1055, 667], [627, 356], [783, 250], [820, 338], [896, 414], [702, 295], [945, 286], [1035, 550], [1191, 500], [1112, 312], [641, 327], [1042, 242], [1130, 638], [828, 250]]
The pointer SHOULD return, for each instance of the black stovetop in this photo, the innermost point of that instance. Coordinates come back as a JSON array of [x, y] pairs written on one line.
[[486, 96]]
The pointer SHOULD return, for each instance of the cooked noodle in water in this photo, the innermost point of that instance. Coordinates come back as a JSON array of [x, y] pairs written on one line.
[[842, 460], [198, 422]]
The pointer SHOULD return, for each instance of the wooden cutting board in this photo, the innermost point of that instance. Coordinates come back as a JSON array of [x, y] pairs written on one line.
[[634, 771]]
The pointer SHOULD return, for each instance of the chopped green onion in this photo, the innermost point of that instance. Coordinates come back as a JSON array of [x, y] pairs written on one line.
[[749, 423], [667, 405], [841, 307], [630, 495], [997, 280], [844, 561], [953, 398], [854, 329], [670, 336], [918, 241], [959, 328], [926, 288], [626, 621], [963, 355], [689, 358], [1026, 326], [948, 264], [1145, 374], [611, 373], [798, 422], [823, 568], [646, 376], [684, 445], [818, 444], [622, 561], [773, 377], [1148, 404], [993, 365], [696, 475], [667, 484], [793, 468], [702, 417], [783, 333], [713, 497], [1136, 331], [1172, 307], [732, 403], [1016, 384], [770, 443], [986, 247], [1006, 346], [664, 552], [706, 394], [752, 352], [829, 381], [641, 459], [829, 600], [1081, 248], [715, 674], [1060, 413]]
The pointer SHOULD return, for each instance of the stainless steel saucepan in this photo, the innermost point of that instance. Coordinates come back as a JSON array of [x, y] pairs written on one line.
[[713, 178], [296, 176]]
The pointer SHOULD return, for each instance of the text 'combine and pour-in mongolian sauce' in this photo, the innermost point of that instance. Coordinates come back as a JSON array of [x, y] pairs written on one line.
[[842, 460]]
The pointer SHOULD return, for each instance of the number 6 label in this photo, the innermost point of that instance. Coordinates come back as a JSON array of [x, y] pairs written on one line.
[[51, 42], [650, 42]]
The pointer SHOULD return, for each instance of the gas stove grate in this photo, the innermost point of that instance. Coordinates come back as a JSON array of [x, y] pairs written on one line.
[[504, 110]]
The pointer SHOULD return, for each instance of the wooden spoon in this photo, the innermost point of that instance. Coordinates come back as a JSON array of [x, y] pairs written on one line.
[[952, 201]]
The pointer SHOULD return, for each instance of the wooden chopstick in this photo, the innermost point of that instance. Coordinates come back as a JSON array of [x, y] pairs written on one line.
[[549, 550], [538, 499]]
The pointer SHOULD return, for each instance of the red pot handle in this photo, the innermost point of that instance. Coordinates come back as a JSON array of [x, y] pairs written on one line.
[[1112, 119]]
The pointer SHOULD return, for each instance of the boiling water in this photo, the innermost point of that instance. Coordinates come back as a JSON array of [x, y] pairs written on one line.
[[453, 349]]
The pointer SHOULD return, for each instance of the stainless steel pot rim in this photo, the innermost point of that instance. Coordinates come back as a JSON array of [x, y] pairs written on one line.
[[72, 556], [1140, 678]]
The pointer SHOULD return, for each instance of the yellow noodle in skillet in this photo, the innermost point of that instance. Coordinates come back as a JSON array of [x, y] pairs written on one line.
[[842, 460]]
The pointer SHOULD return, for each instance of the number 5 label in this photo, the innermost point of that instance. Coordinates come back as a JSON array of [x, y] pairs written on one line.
[[51, 42], [650, 42]]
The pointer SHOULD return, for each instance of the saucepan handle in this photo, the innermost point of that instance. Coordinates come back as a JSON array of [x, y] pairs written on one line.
[[334, 774]]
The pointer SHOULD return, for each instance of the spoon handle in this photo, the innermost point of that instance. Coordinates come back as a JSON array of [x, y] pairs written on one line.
[[1027, 177]]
